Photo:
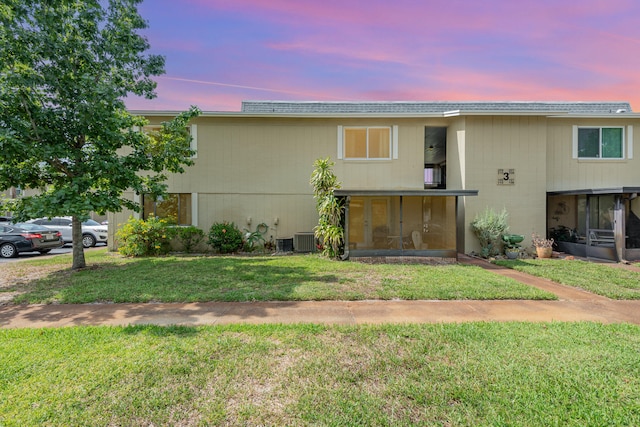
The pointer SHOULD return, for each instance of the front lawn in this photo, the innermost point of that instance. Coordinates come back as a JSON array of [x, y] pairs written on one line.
[[112, 278], [600, 278], [517, 374]]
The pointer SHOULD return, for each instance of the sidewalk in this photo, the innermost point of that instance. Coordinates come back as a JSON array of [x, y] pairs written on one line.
[[573, 305]]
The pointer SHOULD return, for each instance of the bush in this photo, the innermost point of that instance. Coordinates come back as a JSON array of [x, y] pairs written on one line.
[[330, 228], [255, 239], [489, 227], [189, 237], [145, 238], [225, 237]]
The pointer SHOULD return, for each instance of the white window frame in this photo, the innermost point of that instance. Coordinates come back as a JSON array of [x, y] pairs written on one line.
[[393, 143], [627, 148]]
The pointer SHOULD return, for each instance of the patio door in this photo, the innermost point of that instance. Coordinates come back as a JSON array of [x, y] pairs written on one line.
[[369, 222]]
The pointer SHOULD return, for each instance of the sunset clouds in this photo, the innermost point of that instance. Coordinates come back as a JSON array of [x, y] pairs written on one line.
[[220, 52]]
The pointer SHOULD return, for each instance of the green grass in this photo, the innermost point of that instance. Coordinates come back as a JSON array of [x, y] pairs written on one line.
[[112, 278], [602, 279], [517, 374]]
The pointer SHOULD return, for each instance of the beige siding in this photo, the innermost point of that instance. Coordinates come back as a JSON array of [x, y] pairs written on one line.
[[517, 143], [406, 173], [248, 169], [456, 155], [260, 169], [567, 173]]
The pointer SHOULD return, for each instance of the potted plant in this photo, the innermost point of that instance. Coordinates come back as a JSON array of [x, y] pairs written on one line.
[[544, 247], [512, 245]]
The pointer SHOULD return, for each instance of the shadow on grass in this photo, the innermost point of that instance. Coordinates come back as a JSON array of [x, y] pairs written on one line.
[[161, 331], [512, 263], [177, 280]]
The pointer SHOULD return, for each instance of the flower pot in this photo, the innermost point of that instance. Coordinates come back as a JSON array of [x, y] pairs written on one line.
[[511, 253], [544, 252]]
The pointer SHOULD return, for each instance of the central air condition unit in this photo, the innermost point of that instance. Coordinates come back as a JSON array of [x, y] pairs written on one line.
[[304, 242]]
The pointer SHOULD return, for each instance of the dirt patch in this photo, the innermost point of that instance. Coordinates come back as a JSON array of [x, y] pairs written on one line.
[[16, 279]]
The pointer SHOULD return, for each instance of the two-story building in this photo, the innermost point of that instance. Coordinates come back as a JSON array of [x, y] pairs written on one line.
[[415, 174]]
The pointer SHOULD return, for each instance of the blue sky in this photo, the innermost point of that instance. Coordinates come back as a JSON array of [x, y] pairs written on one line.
[[220, 52]]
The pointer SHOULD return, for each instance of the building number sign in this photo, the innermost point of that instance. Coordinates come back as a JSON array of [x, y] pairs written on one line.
[[506, 176]]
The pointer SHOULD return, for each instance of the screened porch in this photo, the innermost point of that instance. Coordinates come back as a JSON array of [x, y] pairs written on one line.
[[397, 223]]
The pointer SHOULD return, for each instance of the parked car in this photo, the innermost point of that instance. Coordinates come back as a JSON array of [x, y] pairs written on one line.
[[21, 237], [5, 220], [92, 231]]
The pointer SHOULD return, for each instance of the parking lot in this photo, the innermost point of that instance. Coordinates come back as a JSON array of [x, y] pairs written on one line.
[[33, 255]]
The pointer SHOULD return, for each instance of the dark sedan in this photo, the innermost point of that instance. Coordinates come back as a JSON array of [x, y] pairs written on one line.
[[21, 237]]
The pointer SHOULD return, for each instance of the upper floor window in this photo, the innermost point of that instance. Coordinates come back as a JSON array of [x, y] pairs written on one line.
[[192, 130], [367, 143], [599, 143]]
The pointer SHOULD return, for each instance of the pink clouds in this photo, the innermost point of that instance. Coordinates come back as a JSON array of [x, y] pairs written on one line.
[[220, 52]]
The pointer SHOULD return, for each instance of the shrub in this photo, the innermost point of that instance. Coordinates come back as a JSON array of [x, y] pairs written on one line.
[[255, 239], [225, 237], [488, 228], [330, 228], [145, 238], [189, 237]]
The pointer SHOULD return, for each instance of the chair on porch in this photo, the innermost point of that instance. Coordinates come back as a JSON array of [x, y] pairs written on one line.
[[416, 236]]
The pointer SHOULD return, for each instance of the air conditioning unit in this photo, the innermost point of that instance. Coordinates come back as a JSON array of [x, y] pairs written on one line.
[[304, 242]]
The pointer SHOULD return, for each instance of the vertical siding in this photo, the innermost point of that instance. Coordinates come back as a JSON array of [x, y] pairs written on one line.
[[494, 143], [456, 155], [407, 172], [567, 173], [260, 168]]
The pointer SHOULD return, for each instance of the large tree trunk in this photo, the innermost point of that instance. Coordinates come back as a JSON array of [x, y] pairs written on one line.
[[78, 249]]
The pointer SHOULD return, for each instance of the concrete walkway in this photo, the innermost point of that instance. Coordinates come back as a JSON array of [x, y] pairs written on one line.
[[573, 305]]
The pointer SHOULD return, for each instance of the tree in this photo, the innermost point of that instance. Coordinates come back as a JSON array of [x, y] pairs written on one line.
[[329, 230], [66, 67]]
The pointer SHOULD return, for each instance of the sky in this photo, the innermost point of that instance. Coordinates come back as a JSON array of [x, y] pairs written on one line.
[[221, 52]]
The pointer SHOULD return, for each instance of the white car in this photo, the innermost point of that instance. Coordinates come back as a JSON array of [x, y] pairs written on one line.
[[92, 231]]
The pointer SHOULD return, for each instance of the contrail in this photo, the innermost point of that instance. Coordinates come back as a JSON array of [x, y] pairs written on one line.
[[180, 79]]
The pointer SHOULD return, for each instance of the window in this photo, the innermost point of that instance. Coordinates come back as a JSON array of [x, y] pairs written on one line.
[[364, 143], [54, 222], [192, 129], [599, 143], [175, 207]]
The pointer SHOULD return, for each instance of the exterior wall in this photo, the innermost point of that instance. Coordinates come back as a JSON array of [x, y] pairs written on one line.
[[566, 173], [260, 169], [456, 178], [404, 173], [456, 155], [518, 143]]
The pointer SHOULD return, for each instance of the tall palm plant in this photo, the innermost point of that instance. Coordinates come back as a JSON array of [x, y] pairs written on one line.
[[329, 230]]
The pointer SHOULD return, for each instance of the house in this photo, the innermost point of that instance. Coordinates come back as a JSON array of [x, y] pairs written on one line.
[[415, 174]]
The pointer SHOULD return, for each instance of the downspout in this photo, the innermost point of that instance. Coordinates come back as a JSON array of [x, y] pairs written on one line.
[[401, 231], [619, 229]]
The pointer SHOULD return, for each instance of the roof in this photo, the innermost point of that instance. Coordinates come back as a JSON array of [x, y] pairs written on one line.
[[596, 191], [444, 107], [407, 109], [420, 193]]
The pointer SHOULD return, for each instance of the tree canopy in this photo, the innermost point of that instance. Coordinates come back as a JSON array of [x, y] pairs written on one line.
[[66, 67]]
